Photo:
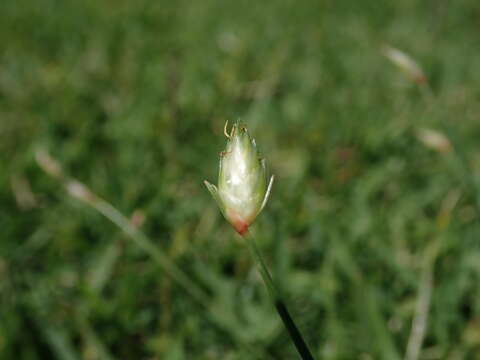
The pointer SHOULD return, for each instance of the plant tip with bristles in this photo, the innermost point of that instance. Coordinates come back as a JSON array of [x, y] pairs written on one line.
[[242, 191]]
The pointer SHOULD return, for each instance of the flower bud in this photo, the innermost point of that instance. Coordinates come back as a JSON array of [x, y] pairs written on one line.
[[242, 182]]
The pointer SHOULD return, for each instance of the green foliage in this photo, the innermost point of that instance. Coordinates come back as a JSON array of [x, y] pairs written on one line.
[[131, 98]]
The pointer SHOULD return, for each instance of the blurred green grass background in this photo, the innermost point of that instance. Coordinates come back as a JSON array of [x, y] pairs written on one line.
[[366, 226]]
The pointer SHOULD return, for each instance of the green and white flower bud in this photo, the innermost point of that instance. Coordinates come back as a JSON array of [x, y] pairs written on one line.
[[242, 182]]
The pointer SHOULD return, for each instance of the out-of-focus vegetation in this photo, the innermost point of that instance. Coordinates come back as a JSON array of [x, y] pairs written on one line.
[[373, 222]]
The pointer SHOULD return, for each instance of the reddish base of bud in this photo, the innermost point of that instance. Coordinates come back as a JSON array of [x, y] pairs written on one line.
[[421, 79], [241, 227]]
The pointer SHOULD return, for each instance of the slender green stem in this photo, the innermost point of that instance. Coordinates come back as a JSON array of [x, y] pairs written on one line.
[[280, 306], [262, 267]]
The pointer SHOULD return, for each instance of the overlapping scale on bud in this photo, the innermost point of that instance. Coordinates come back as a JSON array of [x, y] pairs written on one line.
[[242, 181]]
